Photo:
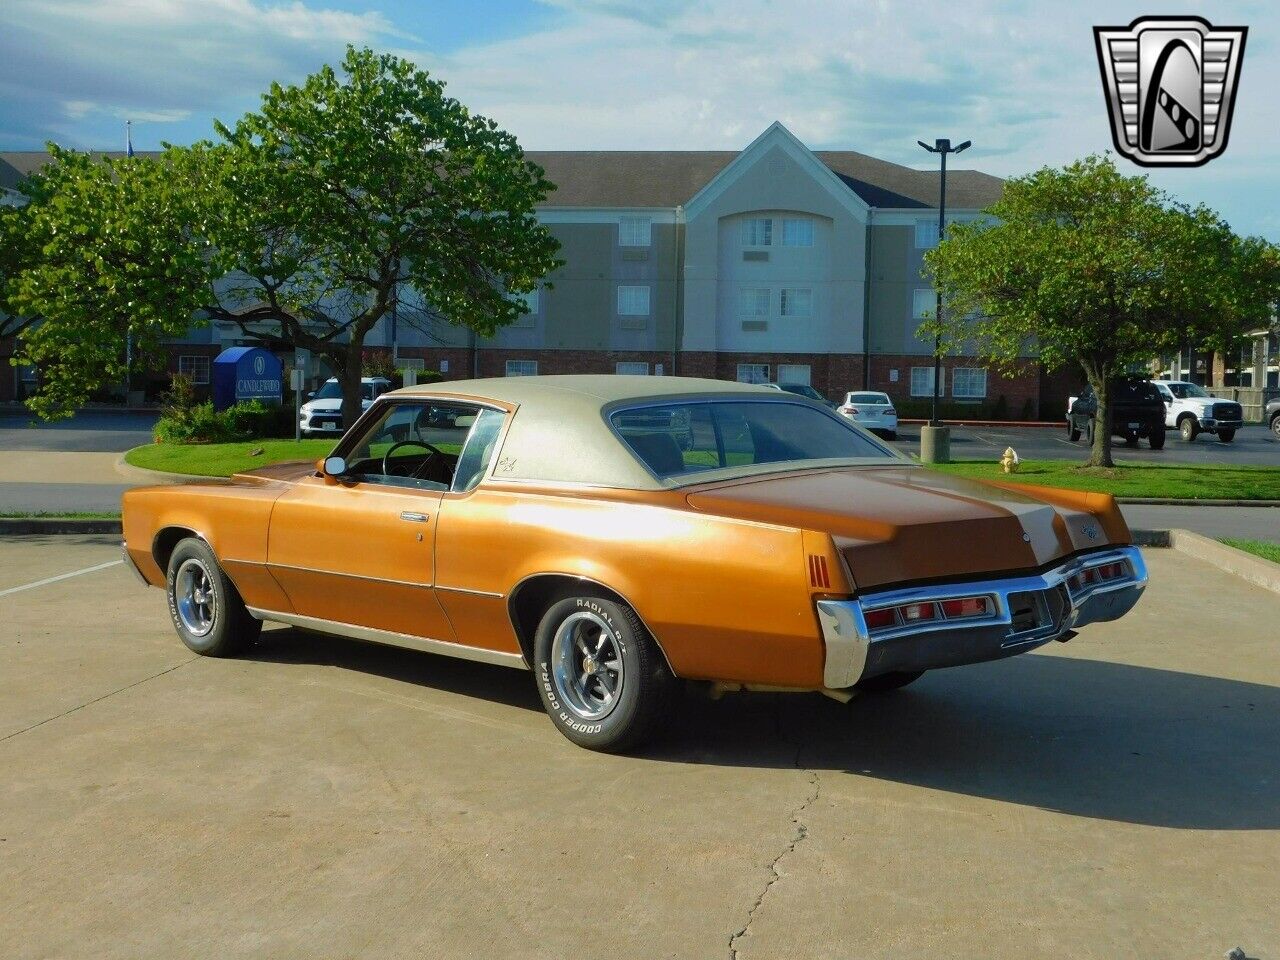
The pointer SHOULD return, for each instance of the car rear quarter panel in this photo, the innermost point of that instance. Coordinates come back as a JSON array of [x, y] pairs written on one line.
[[727, 599], [232, 518]]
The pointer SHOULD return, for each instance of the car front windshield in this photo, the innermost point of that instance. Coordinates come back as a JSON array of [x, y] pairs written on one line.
[[678, 439], [329, 390], [1184, 390]]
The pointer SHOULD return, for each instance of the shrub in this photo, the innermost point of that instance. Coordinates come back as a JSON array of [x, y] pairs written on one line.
[[184, 421]]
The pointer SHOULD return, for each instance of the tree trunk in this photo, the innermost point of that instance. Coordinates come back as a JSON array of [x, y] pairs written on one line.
[[350, 374], [1100, 454]]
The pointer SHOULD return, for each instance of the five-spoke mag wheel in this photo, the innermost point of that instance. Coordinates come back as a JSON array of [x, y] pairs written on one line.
[[587, 669], [206, 608]]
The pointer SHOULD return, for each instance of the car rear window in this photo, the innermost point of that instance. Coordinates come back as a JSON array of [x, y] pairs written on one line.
[[869, 398], [1135, 390], [685, 438]]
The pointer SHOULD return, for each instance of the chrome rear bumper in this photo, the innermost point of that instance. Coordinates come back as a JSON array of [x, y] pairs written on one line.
[[1059, 601]]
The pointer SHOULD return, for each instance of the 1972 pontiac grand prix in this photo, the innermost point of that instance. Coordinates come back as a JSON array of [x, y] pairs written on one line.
[[619, 535]]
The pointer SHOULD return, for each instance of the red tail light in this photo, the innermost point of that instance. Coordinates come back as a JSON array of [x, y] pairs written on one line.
[[880, 619], [966, 607]]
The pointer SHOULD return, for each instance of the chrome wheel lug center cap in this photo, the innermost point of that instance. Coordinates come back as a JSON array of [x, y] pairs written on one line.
[[588, 665]]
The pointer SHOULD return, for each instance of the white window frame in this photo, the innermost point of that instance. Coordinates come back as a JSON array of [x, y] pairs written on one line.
[[797, 232], [749, 234], [198, 359], [789, 373], [749, 302], [753, 373], [796, 302], [925, 387], [521, 368], [633, 300], [926, 234], [631, 368], [927, 295], [635, 231], [963, 383]]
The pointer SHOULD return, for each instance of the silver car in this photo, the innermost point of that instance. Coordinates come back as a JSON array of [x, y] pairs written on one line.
[[871, 410]]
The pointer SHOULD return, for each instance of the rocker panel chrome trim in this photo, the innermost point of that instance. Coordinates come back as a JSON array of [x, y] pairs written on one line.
[[390, 638]]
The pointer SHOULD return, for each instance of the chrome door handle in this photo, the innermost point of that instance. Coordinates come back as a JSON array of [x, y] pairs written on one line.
[[415, 517]]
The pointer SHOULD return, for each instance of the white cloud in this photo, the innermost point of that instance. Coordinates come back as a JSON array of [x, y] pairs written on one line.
[[75, 109], [1019, 79]]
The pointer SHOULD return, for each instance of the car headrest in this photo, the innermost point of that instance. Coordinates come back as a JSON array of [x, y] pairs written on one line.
[[659, 450]]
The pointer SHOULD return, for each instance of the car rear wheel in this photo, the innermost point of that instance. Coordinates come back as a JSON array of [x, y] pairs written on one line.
[[891, 434], [1226, 436], [885, 682], [1073, 432], [205, 606], [1188, 428], [1157, 439], [1275, 425], [602, 679]]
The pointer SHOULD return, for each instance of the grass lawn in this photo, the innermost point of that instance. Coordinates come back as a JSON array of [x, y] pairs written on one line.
[[1261, 548], [55, 515], [1188, 481], [224, 459]]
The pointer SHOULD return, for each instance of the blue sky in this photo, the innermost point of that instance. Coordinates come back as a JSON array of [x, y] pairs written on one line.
[[1020, 79]]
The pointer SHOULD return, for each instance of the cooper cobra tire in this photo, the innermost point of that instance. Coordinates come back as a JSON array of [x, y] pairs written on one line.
[[1226, 436], [1188, 428], [205, 606], [602, 679], [889, 681]]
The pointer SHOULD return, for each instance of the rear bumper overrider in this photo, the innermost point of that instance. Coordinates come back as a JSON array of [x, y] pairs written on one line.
[[1047, 606]]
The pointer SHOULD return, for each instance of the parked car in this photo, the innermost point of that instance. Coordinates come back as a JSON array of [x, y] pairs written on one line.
[[1137, 410], [1272, 416], [1192, 411], [785, 549], [322, 413], [871, 410], [802, 390]]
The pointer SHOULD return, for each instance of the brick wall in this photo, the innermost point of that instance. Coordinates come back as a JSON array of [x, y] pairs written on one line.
[[1020, 389], [832, 375]]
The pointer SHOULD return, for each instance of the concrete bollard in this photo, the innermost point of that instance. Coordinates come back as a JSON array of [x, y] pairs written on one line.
[[935, 444]]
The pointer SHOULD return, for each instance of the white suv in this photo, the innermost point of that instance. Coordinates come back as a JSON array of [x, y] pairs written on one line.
[[1193, 411], [322, 413]]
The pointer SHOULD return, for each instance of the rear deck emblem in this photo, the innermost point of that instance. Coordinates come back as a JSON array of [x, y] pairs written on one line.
[[1170, 84]]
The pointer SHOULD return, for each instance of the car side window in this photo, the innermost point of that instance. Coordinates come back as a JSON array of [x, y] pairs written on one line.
[[413, 443], [477, 452]]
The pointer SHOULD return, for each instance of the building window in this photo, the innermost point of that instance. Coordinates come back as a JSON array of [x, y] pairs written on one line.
[[797, 232], [797, 302], [631, 368], [753, 302], [924, 303], [753, 373], [522, 368], [757, 232], [794, 373], [633, 301], [926, 234], [969, 383], [195, 367], [635, 232], [922, 382]]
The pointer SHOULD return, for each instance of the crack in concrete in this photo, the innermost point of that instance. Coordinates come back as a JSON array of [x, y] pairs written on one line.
[[801, 833]]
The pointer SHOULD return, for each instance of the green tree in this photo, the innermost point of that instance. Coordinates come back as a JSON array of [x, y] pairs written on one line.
[[15, 253], [1091, 268], [338, 201]]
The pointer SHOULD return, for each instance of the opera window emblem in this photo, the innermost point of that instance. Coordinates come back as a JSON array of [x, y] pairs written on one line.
[[1170, 85]]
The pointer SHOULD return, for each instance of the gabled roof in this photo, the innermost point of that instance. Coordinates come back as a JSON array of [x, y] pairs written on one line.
[[669, 178]]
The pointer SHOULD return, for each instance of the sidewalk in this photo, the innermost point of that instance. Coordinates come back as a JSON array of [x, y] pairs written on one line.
[[1251, 523], [34, 481]]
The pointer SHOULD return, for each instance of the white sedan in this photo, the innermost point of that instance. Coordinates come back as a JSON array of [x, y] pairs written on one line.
[[871, 410]]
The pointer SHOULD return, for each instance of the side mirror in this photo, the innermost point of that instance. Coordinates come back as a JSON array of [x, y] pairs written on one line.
[[334, 467], [309, 395]]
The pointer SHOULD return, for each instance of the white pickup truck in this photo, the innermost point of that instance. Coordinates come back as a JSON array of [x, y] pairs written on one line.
[[1193, 411]]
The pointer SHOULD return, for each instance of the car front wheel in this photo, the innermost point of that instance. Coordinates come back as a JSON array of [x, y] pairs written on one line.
[[601, 676], [1188, 428], [204, 604], [1275, 425]]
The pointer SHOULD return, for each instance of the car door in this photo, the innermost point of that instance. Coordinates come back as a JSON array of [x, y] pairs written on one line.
[[359, 549]]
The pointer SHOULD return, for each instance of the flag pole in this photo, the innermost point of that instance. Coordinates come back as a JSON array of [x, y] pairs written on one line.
[[128, 138]]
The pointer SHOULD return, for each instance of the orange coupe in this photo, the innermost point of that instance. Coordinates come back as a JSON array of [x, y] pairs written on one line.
[[619, 535]]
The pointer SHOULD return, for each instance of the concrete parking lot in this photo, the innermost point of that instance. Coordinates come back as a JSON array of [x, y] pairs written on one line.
[[1112, 797]]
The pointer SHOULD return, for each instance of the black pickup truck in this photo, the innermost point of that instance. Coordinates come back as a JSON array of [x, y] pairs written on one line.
[[1137, 410]]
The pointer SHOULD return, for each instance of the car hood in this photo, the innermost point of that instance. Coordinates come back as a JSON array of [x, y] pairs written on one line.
[[325, 406], [289, 472], [905, 524]]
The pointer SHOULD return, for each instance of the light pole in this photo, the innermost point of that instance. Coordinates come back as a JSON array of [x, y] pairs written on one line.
[[936, 437]]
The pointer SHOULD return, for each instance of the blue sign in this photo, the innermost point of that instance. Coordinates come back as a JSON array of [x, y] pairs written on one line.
[[246, 373]]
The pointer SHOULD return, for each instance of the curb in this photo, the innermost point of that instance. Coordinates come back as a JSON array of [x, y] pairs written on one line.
[[1262, 573], [1173, 502], [1151, 538], [27, 526], [145, 475]]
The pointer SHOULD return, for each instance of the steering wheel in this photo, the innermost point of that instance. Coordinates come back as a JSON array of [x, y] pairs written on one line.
[[386, 457]]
